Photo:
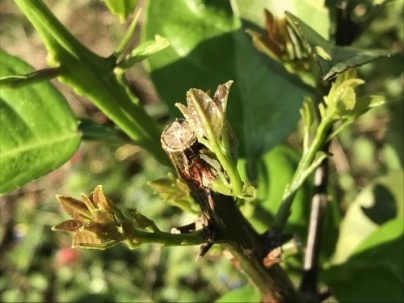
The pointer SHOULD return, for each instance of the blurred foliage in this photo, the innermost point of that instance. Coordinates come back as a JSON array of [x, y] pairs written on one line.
[[39, 265]]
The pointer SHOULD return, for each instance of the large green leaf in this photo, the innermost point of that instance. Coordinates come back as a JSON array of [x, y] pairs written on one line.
[[208, 47], [38, 132], [376, 204], [375, 271]]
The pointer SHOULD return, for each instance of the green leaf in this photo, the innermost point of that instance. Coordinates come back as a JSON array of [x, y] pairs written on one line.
[[38, 130], [94, 77], [95, 131], [121, 8], [375, 205], [175, 192], [331, 60], [205, 116], [207, 47], [374, 272], [144, 50], [244, 294]]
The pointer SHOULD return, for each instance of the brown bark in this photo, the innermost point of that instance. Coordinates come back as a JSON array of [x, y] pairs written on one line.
[[226, 224]]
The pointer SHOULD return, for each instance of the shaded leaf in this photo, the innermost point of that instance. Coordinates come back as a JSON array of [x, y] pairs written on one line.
[[331, 60], [175, 192], [374, 272], [376, 204], [208, 46], [92, 130], [32, 146]]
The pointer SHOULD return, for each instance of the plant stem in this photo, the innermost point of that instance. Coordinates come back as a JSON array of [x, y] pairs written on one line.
[[304, 169], [308, 283], [93, 77], [226, 223], [31, 78], [169, 239]]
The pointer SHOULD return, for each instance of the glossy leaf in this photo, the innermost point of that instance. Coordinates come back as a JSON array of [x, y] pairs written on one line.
[[331, 60], [374, 271], [121, 8], [38, 130], [207, 47]]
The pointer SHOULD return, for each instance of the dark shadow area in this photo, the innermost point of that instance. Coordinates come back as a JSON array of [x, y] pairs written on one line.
[[384, 207]]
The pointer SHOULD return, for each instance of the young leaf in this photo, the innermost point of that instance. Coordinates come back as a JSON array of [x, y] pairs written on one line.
[[203, 114], [144, 51], [331, 60], [211, 48], [175, 192]]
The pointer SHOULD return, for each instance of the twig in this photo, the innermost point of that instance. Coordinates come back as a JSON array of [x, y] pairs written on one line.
[[228, 226], [318, 206]]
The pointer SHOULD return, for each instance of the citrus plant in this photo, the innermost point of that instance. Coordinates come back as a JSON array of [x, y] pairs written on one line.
[[226, 156]]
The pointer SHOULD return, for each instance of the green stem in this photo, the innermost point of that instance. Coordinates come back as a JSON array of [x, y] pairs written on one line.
[[93, 77], [169, 239], [230, 168], [31, 78], [304, 169]]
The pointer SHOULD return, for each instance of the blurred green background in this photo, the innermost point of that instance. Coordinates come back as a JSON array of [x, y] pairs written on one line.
[[37, 265]]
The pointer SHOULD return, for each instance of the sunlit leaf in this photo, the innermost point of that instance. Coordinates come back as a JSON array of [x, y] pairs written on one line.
[[203, 114], [74, 207], [32, 146], [85, 240], [69, 225]]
